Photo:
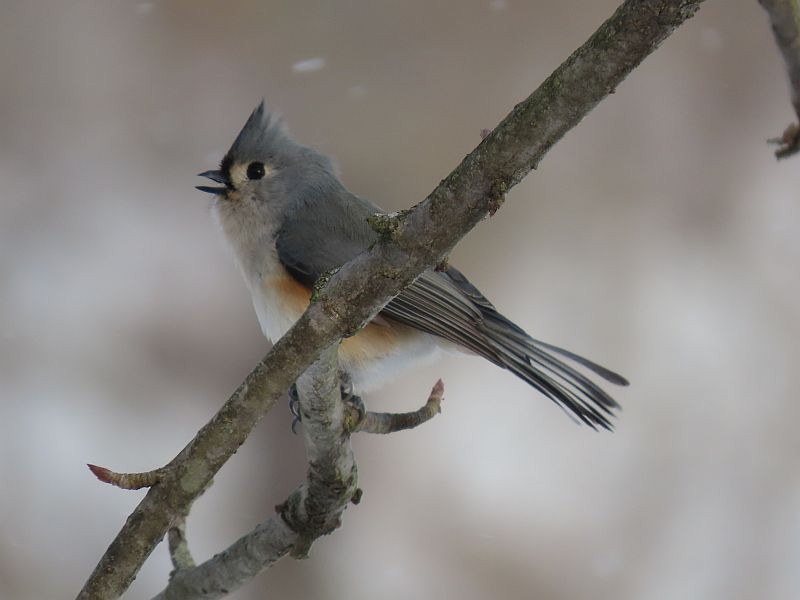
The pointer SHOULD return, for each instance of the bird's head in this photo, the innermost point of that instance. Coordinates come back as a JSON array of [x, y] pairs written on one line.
[[264, 175]]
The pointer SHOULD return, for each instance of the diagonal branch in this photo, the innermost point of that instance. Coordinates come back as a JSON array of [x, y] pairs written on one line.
[[419, 239], [784, 16]]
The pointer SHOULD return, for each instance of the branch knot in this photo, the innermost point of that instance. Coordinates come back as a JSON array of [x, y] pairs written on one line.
[[388, 226]]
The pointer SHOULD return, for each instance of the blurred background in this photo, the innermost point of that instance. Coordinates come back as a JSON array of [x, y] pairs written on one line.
[[659, 238]]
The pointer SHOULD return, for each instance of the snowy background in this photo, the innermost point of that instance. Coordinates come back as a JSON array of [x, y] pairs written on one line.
[[660, 238]]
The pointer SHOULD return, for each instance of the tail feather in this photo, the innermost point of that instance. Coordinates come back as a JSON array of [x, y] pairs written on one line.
[[606, 374], [535, 363], [446, 304], [565, 372], [565, 395]]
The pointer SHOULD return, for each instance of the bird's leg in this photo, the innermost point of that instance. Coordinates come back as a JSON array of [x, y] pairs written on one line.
[[350, 399], [294, 407]]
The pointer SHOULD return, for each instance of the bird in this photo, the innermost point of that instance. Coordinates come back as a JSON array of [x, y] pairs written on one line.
[[289, 219]]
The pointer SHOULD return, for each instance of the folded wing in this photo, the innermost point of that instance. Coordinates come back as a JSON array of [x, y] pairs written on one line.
[[445, 304]]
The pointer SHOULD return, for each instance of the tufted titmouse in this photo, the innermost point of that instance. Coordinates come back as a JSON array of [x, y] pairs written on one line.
[[289, 219]]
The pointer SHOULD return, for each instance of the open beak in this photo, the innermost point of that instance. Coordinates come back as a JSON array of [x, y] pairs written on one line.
[[218, 177]]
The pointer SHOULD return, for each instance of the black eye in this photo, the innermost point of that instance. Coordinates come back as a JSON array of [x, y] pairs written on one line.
[[255, 170]]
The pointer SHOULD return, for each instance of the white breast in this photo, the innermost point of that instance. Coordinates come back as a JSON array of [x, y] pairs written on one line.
[[276, 310], [279, 301]]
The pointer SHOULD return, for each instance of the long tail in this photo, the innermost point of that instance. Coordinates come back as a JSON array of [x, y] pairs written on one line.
[[448, 305], [536, 363]]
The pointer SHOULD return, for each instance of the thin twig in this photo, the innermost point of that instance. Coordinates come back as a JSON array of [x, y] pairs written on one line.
[[391, 422], [424, 236], [128, 481], [784, 16], [179, 547]]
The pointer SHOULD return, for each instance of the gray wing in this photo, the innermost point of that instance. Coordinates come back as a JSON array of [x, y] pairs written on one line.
[[446, 304], [320, 237]]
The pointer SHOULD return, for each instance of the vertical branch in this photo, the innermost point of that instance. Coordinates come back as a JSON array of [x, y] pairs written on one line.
[[315, 508]]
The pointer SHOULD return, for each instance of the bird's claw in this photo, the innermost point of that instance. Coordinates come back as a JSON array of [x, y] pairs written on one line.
[[351, 400], [294, 408], [345, 385], [357, 404]]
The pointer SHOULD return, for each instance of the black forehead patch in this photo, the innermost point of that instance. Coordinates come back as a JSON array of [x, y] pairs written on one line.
[[225, 166]]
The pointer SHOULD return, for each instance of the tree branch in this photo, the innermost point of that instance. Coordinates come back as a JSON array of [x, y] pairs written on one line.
[[179, 547], [391, 422], [419, 239], [313, 510], [784, 15], [127, 481], [244, 559]]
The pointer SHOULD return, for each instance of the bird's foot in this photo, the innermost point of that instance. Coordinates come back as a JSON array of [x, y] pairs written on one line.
[[294, 407], [354, 405]]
